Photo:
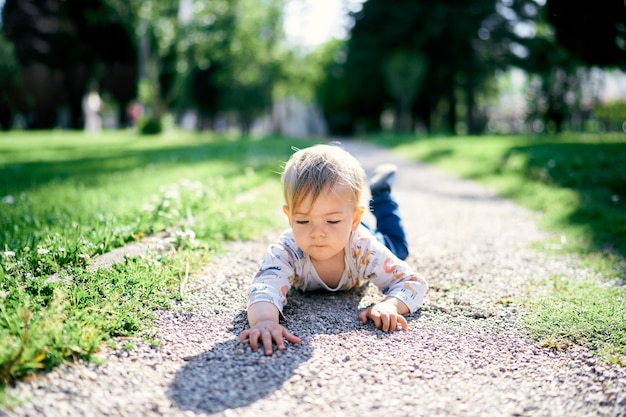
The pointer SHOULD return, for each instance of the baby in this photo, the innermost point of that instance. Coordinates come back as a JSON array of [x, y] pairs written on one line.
[[328, 247]]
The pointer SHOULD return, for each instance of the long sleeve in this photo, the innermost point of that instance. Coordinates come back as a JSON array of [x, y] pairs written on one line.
[[393, 277], [276, 273]]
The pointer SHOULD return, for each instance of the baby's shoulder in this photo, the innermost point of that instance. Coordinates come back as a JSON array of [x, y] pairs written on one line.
[[363, 240], [286, 243], [362, 235]]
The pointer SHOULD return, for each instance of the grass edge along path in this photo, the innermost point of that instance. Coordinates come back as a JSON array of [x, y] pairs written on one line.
[[576, 185], [67, 197]]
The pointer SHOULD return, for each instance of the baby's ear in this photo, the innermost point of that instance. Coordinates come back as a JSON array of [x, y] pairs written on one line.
[[286, 210], [358, 213]]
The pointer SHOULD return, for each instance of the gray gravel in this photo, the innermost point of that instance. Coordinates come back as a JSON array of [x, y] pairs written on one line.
[[465, 353]]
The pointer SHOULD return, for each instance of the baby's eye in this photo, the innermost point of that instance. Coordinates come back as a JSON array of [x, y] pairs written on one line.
[[302, 221], [334, 221]]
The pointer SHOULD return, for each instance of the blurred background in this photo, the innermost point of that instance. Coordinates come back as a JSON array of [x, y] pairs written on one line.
[[314, 67]]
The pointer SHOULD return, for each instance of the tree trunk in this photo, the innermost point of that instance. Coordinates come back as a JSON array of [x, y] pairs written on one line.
[[452, 112]]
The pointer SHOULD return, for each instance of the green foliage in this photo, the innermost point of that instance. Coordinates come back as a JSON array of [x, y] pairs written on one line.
[[8, 61], [253, 64], [333, 91], [88, 44], [152, 125], [612, 114], [459, 60], [9, 73], [404, 73], [224, 54], [67, 197], [577, 184]]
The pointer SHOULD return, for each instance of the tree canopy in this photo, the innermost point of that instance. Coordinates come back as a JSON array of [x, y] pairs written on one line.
[[593, 32], [55, 75], [453, 58], [433, 65], [463, 46], [213, 55]]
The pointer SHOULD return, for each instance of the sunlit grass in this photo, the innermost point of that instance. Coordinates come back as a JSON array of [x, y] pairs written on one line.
[[68, 197], [577, 186], [588, 313]]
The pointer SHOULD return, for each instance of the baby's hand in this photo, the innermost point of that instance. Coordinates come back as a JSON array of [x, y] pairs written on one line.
[[267, 332], [385, 316]]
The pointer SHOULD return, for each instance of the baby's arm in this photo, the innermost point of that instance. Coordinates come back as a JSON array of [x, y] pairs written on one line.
[[387, 315], [402, 286], [264, 326]]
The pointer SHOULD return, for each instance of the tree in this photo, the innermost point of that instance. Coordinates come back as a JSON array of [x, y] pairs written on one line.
[[404, 73], [154, 26], [594, 33], [333, 92], [253, 64], [9, 82], [55, 76], [220, 55], [460, 63], [209, 58], [555, 72]]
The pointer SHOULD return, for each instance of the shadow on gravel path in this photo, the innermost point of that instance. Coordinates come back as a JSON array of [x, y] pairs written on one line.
[[230, 375]]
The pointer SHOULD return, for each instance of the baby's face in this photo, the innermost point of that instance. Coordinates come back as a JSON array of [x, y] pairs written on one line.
[[322, 228]]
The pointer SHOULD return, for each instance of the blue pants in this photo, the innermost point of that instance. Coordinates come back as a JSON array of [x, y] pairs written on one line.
[[389, 229]]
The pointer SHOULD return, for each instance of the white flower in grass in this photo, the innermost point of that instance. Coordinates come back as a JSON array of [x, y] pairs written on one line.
[[171, 192], [60, 249], [186, 237], [8, 254], [191, 185], [8, 199], [43, 251]]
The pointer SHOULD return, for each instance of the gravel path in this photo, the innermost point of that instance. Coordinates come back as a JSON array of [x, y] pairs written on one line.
[[465, 353]]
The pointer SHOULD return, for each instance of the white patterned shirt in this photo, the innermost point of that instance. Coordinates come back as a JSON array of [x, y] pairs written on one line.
[[366, 260]]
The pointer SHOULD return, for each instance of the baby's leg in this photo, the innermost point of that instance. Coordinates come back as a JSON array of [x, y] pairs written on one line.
[[389, 227]]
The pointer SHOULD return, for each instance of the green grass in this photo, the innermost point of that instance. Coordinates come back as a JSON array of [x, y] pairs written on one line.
[[577, 185], [586, 312], [68, 197]]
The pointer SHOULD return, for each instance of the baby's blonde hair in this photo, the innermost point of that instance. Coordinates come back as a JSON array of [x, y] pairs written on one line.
[[320, 167]]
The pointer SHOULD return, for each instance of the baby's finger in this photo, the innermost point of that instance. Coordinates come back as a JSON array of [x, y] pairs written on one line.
[[291, 338], [375, 316], [266, 338], [364, 314], [253, 337], [402, 323], [393, 323], [386, 322], [277, 336], [244, 335]]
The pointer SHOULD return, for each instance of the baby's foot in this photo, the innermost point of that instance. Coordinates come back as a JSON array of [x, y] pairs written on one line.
[[382, 178]]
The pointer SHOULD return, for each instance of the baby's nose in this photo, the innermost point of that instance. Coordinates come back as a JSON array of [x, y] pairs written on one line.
[[317, 231]]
